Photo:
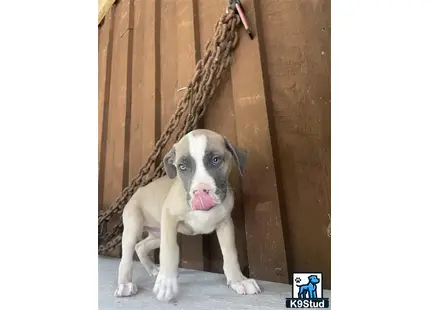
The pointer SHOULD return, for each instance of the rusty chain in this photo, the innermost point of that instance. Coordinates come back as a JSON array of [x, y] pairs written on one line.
[[199, 91]]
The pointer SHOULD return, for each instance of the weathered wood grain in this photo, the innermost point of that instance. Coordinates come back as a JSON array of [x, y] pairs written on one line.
[[299, 76], [264, 231], [116, 171]]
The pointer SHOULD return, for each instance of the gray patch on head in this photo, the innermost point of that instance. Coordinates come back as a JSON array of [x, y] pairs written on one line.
[[179, 155], [219, 147], [169, 163], [186, 176], [217, 172]]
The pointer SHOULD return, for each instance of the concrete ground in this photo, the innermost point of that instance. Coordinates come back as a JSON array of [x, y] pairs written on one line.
[[197, 290]]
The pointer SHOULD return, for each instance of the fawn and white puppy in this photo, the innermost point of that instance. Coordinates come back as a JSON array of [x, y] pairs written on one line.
[[194, 198]]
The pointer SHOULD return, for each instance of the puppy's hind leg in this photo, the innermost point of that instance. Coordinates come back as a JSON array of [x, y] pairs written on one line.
[[143, 248], [133, 226]]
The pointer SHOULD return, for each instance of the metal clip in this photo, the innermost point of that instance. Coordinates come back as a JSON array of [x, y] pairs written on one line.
[[237, 7]]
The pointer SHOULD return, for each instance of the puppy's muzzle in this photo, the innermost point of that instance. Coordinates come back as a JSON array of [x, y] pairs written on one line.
[[203, 197]]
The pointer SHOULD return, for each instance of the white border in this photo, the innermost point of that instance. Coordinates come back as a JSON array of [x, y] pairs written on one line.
[[48, 166], [380, 154]]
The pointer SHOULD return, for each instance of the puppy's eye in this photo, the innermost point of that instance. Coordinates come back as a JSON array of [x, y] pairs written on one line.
[[216, 160], [182, 167]]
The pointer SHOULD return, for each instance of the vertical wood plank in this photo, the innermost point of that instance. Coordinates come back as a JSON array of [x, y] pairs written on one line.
[[167, 68], [265, 236], [168, 64], [191, 247], [104, 74], [116, 153], [299, 77], [143, 123], [220, 117], [143, 105]]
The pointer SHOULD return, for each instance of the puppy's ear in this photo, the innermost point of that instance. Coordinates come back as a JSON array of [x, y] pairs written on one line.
[[168, 162], [240, 155]]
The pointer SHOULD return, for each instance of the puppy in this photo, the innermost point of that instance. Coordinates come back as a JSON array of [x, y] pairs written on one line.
[[194, 198]]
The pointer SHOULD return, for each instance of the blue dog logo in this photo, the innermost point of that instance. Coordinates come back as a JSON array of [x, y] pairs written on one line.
[[309, 290]]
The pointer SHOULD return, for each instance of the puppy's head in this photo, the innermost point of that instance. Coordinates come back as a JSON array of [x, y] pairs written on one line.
[[202, 160]]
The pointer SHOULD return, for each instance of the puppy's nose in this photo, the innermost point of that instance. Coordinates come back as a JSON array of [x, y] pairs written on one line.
[[202, 188], [202, 200]]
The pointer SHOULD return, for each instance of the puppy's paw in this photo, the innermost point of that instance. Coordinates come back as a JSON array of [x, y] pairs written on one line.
[[246, 287], [153, 270], [166, 287], [125, 290]]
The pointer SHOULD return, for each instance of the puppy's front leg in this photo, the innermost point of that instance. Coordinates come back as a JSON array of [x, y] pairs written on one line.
[[166, 285], [235, 279]]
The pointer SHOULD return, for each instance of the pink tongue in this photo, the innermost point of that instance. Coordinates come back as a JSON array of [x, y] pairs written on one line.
[[203, 202]]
